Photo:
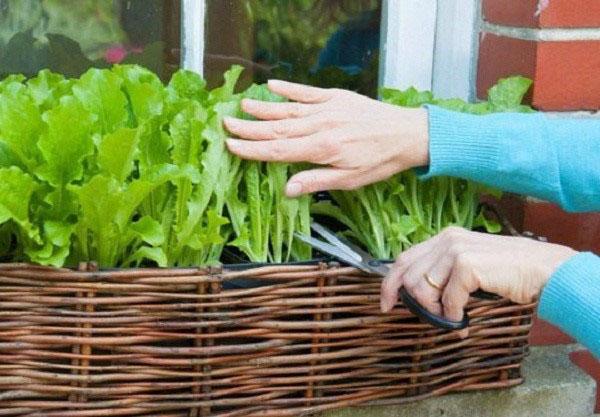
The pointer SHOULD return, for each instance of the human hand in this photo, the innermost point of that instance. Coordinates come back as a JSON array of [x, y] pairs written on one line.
[[461, 261], [358, 139]]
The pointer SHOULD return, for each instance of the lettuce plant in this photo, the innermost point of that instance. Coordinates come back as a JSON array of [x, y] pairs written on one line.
[[263, 218], [117, 168]]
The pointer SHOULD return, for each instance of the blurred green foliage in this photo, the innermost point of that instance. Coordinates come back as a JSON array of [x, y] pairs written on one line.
[[95, 24], [288, 27], [71, 36], [290, 34], [284, 39]]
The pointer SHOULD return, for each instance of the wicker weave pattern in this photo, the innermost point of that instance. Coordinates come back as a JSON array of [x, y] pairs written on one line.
[[192, 343]]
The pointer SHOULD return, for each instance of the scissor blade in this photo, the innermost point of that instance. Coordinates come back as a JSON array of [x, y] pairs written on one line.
[[331, 250], [364, 255], [370, 264], [335, 241]]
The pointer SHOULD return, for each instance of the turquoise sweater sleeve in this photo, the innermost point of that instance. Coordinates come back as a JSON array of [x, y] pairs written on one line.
[[556, 159], [571, 300]]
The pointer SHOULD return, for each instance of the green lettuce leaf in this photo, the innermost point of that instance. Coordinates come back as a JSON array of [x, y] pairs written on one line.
[[47, 88], [149, 231], [116, 152], [99, 91], [65, 142], [144, 90], [508, 94], [20, 124], [16, 189], [187, 85]]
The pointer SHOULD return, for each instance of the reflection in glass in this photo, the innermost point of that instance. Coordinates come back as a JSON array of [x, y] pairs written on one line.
[[330, 43], [70, 36]]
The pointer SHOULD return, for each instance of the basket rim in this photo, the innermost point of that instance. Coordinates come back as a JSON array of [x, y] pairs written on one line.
[[92, 265]]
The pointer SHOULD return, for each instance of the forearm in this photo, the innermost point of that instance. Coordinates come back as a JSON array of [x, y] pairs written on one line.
[[571, 300], [550, 158]]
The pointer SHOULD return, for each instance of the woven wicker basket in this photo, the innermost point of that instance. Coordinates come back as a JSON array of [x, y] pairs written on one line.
[[265, 341]]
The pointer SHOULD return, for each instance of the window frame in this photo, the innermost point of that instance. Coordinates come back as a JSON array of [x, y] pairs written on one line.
[[193, 13], [421, 45], [407, 43], [456, 46]]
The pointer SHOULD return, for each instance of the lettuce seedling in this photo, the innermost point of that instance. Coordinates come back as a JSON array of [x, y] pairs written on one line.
[[263, 218], [117, 168]]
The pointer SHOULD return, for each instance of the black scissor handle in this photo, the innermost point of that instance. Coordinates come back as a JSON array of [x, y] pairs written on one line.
[[421, 312]]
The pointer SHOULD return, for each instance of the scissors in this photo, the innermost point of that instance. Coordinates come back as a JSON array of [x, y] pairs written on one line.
[[351, 254]]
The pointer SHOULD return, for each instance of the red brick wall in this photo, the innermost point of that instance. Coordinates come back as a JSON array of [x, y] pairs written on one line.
[[559, 48], [551, 14], [557, 44]]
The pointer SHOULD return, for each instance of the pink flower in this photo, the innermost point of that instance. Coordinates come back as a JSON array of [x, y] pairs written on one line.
[[115, 54]]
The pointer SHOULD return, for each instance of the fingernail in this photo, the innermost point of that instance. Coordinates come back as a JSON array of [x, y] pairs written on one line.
[[274, 83], [293, 189], [231, 121], [233, 144], [247, 103]]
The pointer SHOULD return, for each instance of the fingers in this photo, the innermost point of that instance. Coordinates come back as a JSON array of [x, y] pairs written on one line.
[[324, 179], [299, 92], [437, 267], [390, 287], [318, 148], [278, 129], [456, 294], [276, 111], [320, 179], [425, 294], [430, 257], [306, 149]]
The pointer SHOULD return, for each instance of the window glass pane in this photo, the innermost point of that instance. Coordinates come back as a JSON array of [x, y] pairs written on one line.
[[70, 36], [331, 43]]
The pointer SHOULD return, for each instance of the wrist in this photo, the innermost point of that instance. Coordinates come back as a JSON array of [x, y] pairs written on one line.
[[414, 132], [422, 136], [557, 255]]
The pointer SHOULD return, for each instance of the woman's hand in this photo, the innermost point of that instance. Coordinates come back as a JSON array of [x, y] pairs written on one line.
[[359, 140], [460, 262]]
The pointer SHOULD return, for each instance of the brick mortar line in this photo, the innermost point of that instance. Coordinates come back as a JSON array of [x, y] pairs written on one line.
[[543, 34]]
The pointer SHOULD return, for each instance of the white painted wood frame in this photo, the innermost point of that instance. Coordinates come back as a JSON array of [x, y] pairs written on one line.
[[407, 43], [430, 44], [192, 35], [456, 44]]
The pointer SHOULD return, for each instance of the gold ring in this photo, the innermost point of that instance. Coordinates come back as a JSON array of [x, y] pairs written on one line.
[[432, 282]]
